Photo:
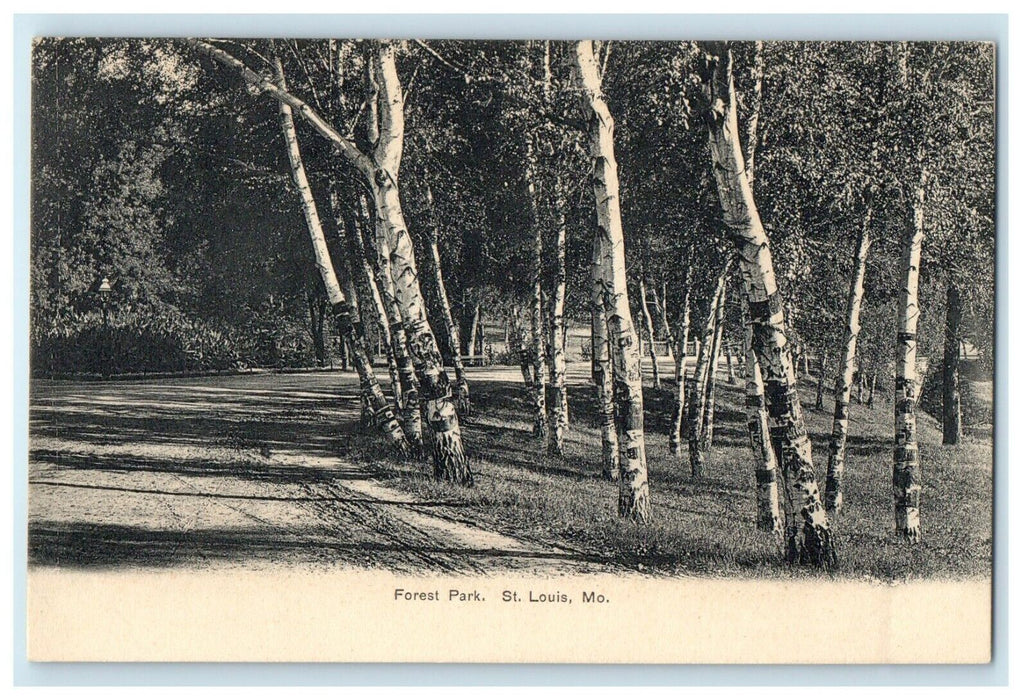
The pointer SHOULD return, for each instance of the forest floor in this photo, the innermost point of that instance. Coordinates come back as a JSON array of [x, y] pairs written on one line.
[[274, 470]]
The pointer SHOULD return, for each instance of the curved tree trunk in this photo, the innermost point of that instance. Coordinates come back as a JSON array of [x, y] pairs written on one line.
[[907, 477], [351, 333], [844, 382], [634, 491], [951, 370], [558, 401], [679, 351], [453, 336], [649, 324], [809, 538]]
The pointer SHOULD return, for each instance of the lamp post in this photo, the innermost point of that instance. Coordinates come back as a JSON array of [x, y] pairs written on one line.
[[105, 292]]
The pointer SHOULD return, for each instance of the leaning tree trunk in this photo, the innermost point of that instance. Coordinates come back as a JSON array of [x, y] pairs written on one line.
[[845, 380], [809, 538], [708, 419], [634, 491], [449, 460], [680, 349], [602, 368], [907, 476], [351, 333], [951, 370], [766, 465], [462, 401], [362, 266], [649, 324], [698, 384], [558, 400]]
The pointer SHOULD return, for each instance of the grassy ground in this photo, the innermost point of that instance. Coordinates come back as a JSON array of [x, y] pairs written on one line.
[[706, 525]]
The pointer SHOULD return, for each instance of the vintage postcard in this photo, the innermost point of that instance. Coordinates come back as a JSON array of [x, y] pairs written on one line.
[[511, 351]]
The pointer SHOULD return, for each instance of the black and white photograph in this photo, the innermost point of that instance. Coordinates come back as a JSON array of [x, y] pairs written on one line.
[[492, 326]]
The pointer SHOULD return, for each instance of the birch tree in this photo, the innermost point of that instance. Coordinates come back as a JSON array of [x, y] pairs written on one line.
[[379, 167], [634, 490], [341, 310], [809, 537]]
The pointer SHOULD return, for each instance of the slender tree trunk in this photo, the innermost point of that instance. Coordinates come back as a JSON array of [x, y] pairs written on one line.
[[462, 401], [873, 382], [558, 400], [730, 371], [809, 538], [537, 351], [766, 466], [680, 351], [602, 368], [907, 476], [649, 325], [823, 362], [634, 491], [473, 348], [951, 370], [698, 384], [708, 419], [352, 334], [663, 308], [362, 270], [844, 381]]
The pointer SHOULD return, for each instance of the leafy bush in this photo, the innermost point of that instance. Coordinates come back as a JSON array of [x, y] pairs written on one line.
[[167, 341]]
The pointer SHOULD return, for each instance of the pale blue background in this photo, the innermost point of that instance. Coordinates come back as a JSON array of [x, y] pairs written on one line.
[[896, 27]]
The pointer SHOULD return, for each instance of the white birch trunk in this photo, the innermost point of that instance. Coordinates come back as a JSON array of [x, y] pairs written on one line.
[[558, 401], [845, 380], [809, 538], [679, 351], [350, 332], [634, 491], [649, 323], [907, 478]]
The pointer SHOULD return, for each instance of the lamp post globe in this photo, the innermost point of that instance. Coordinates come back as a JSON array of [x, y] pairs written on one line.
[[105, 292]]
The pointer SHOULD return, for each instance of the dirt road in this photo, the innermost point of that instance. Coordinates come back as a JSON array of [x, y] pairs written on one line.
[[243, 471]]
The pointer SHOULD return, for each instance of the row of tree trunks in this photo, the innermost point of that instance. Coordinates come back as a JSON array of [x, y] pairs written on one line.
[[679, 351], [453, 336], [410, 404], [845, 379], [379, 166], [649, 325], [352, 333], [698, 384], [611, 290], [809, 537], [362, 270], [557, 408]]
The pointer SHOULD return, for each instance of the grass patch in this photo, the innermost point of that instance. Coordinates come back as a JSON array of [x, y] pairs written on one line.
[[704, 526]]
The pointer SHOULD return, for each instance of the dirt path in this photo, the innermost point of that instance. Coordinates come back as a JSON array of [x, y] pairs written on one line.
[[234, 472]]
